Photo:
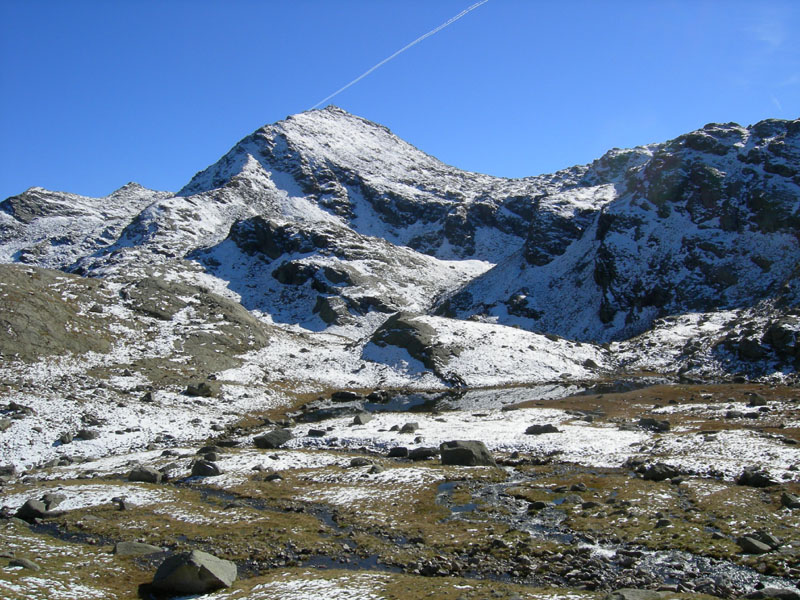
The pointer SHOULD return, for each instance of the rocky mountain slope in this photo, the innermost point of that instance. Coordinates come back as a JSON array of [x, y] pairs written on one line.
[[330, 222], [289, 307]]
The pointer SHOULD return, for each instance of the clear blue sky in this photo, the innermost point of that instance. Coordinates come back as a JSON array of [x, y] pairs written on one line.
[[94, 94]]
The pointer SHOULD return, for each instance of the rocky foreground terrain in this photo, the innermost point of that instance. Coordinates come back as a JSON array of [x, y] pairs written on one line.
[[332, 366]]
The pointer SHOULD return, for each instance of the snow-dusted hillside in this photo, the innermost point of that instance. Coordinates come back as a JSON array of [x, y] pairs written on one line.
[[327, 223]]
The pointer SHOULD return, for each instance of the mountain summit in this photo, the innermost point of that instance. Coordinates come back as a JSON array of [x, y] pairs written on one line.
[[330, 222]]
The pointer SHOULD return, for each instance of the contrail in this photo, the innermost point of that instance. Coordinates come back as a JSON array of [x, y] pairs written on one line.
[[403, 49]]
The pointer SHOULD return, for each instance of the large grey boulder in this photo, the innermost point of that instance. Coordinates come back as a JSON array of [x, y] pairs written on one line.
[[468, 453], [273, 439], [194, 572], [146, 474]]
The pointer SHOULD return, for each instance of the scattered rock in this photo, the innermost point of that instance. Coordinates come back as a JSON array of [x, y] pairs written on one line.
[[790, 500], [274, 439], [204, 389], [24, 563], [775, 594], [409, 427], [751, 545], [87, 434], [345, 396], [205, 468], [145, 474], [422, 453], [540, 429], [755, 477], [631, 594], [362, 419], [468, 453], [52, 499], [659, 472], [135, 549], [398, 452], [35, 509], [652, 424], [194, 572], [360, 461]]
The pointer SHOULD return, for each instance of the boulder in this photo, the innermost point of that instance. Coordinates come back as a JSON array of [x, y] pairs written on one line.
[[469, 453], [660, 472], [274, 439], [790, 500], [205, 468], [540, 429], [205, 389], [631, 594], [146, 474], [87, 434], [422, 453], [775, 594], [135, 549], [652, 424], [32, 510], [409, 427], [362, 419], [52, 499], [194, 572], [755, 477], [750, 545], [398, 452], [24, 563], [345, 396]]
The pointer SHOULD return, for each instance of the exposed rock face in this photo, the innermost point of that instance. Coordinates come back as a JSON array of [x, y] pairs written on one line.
[[194, 572], [330, 222]]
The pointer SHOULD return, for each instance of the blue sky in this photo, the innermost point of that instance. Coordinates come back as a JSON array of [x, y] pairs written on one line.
[[98, 93]]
